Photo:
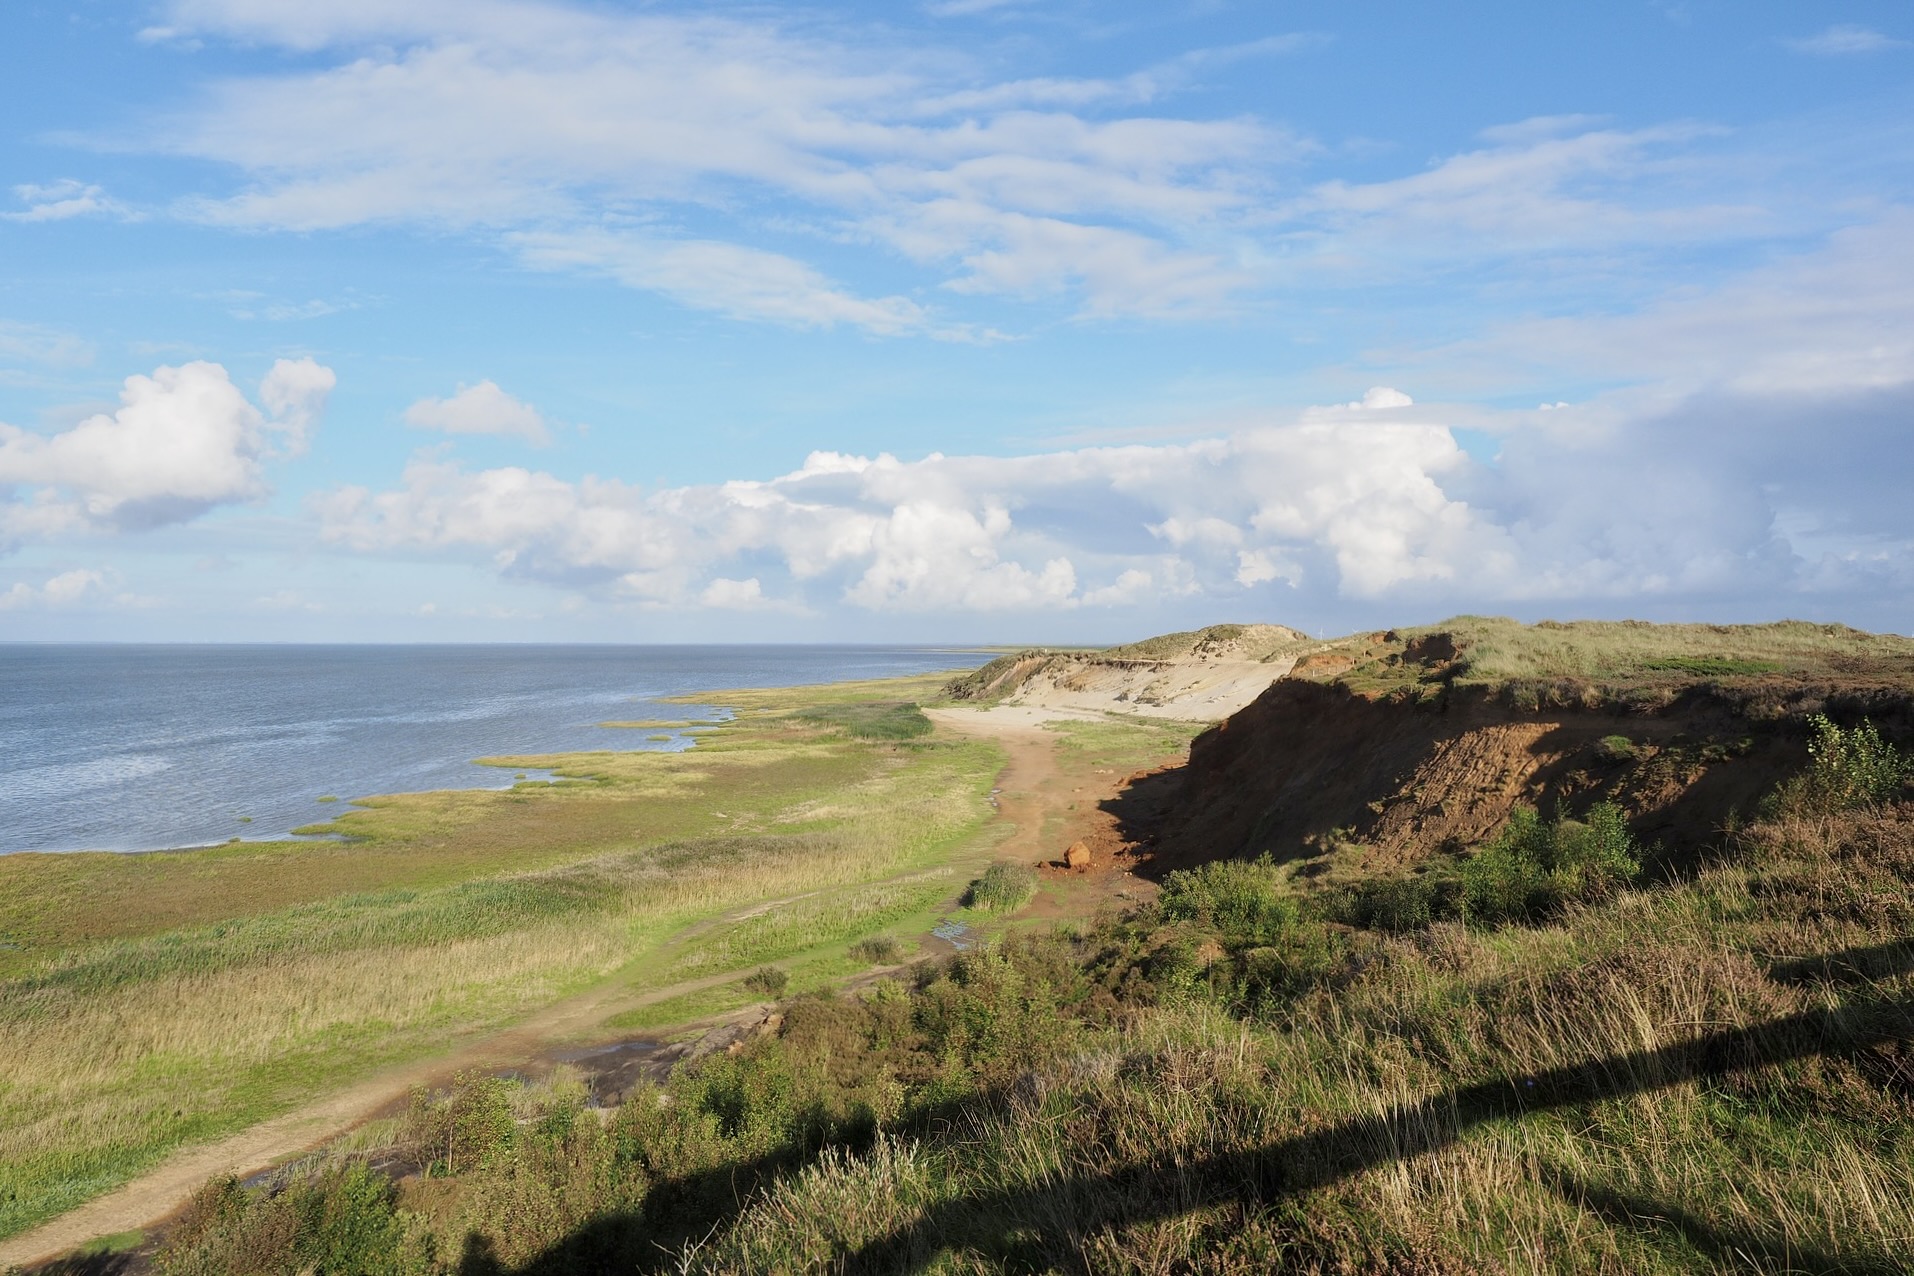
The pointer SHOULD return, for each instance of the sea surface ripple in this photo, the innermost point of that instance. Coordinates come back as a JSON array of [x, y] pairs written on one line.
[[132, 747]]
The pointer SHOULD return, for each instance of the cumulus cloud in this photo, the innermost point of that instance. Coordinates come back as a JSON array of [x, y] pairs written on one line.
[[1745, 499], [63, 590], [481, 409], [1720, 469], [1357, 509], [736, 595], [183, 440]]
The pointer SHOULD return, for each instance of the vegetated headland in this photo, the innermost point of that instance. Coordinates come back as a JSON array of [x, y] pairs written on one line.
[[1472, 947]]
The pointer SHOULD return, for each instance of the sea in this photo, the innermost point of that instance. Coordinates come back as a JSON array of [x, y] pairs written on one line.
[[114, 747]]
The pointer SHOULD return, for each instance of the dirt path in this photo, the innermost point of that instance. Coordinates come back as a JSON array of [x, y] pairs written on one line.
[[163, 1189], [1052, 804], [1035, 796]]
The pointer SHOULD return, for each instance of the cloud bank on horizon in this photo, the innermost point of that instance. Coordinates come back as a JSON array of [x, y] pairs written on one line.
[[970, 321]]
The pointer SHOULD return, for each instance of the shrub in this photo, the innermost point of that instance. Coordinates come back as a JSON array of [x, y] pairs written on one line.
[[469, 1128], [768, 981], [1249, 904], [1004, 888], [1615, 748], [1534, 867], [878, 950], [342, 1223], [1847, 768]]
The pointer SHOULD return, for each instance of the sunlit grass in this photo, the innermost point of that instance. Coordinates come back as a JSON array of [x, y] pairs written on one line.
[[156, 1000]]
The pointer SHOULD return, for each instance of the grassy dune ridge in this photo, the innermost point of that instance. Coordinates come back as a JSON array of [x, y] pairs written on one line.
[[163, 999]]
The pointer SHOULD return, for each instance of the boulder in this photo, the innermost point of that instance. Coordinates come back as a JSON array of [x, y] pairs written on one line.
[[1078, 856]]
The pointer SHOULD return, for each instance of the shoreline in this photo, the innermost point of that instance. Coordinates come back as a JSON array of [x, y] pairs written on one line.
[[248, 777]]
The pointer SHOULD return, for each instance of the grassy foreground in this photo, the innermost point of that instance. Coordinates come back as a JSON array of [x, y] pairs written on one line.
[[148, 1001], [1575, 1054], [1701, 1075]]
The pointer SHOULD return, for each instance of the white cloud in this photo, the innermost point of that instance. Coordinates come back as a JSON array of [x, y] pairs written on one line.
[[481, 409], [736, 595], [1840, 317], [1535, 191], [573, 126], [1378, 398], [58, 201], [63, 590], [287, 600], [1845, 38], [1726, 471], [1360, 503], [743, 283], [182, 441]]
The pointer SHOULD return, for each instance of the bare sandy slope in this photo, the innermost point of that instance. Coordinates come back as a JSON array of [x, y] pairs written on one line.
[[1196, 690], [1204, 675]]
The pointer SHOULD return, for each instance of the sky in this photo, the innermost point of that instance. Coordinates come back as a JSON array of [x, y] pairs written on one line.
[[957, 321]]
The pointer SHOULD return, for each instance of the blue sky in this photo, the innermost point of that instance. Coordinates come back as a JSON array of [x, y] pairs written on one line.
[[973, 320]]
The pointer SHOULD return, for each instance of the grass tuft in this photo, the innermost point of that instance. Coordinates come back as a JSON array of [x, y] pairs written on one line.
[[1004, 888]]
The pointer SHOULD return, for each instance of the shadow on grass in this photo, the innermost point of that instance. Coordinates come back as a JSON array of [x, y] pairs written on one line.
[[1019, 1226], [1667, 1224]]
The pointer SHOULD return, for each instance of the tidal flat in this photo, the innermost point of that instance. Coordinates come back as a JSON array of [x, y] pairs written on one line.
[[150, 1001]]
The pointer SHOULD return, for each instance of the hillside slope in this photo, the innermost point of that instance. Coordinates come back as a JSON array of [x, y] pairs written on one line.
[[1388, 747], [1201, 675]]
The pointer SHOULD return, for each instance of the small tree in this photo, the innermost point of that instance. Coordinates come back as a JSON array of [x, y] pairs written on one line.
[[1847, 768]]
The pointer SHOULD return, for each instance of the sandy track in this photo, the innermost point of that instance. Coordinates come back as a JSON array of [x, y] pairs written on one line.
[[160, 1191], [1033, 797]]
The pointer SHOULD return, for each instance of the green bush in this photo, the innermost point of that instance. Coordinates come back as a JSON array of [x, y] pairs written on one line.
[[1004, 888], [1615, 748], [1533, 866], [342, 1223], [1395, 904], [768, 981], [878, 950], [470, 1127], [1847, 768], [1247, 903]]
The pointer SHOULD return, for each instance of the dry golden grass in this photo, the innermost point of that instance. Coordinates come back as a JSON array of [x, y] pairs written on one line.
[[1654, 1084]]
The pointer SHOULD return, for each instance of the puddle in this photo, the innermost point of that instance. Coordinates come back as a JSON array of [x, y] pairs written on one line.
[[956, 934]]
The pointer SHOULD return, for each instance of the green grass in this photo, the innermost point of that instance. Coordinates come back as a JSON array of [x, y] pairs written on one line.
[[1589, 662], [152, 1000], [117, 1243], [1711, 666], [870, 721], [1245, 642], [1004, 888], [1119, 742], [1700, 1076]]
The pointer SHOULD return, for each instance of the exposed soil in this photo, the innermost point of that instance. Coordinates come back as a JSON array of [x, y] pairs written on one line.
[[1313, 765], [1053, 804]]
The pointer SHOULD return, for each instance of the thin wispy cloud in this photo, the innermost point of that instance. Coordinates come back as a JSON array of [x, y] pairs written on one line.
[[1845, 39], [65, 199]]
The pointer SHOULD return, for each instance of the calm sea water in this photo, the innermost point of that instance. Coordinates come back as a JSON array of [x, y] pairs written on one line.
[[148, 747]]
